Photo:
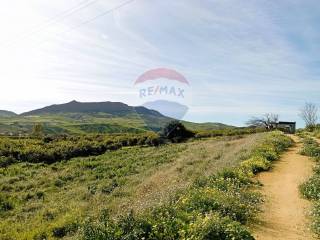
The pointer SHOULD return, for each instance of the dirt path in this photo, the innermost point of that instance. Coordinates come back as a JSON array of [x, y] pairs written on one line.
[[285, 212]]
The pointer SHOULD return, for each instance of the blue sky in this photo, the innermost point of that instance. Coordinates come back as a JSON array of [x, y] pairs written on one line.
[[242, 58]]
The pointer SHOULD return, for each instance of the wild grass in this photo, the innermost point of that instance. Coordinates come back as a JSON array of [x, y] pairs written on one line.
[[316, 132], [214, 207], [102, 123], [311, 188], [52, 149], [52, 196], [228, 132], [173, 184], [313, 133]]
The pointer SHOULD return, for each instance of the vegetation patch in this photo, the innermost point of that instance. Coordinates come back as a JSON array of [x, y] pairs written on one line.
[[215, 207], [52, 201], [6, 204], [228, 132], [311, 188], [54, 149]]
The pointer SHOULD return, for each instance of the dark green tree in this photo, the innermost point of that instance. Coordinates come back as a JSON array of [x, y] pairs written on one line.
[[176, 131]]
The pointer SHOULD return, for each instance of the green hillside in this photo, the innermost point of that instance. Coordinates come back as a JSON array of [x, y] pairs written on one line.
[[4, 113], [83, 118], [206, 126]]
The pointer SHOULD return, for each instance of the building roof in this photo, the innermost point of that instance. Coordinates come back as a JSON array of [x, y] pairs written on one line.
[[287, 122]]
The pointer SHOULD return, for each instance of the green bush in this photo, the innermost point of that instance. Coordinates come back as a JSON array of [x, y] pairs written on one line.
[[40, 236], [110, 187], [6, 161], [176, 132], [65, 148], [65, 230], [59, 183], [310, 148], [256, 164], [128, 227], [214, 227], [228, 132], [316, 218], [234, 175], [311, 188], [235, 204], [6, 204]]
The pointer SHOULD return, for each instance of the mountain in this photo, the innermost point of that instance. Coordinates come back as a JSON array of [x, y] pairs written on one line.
[[4, 113], [113, 108], [92, 117], [98, 117]]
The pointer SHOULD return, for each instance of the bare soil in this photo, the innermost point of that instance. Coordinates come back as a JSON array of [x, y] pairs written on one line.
[[285, 214]]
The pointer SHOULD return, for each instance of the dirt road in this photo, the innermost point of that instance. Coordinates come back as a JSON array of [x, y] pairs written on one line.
[[285, 212]]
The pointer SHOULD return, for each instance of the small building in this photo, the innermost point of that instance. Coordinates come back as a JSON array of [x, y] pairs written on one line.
[[287, 127]]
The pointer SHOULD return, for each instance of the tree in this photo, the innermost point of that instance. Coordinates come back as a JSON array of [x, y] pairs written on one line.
[[309, 114], [269, 121], [176, 131]]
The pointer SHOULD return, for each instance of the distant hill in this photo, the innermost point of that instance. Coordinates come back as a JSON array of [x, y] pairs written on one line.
[[4, 113], [113, 108], [93, 117], [99, 117], [206, 126]]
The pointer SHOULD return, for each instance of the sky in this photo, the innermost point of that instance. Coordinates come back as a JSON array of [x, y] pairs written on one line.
[[241, 58]]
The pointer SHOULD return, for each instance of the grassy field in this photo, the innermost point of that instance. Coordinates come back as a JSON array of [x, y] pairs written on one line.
[[74, 123], [45, 197], [217, 206], [50, 201], [103, 123]]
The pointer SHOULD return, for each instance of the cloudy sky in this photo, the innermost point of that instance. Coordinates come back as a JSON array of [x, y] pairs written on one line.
[[241, 58]]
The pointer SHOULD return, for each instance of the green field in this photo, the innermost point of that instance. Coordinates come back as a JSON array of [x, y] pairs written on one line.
[[40, 201], [73, 123], [80, 123]]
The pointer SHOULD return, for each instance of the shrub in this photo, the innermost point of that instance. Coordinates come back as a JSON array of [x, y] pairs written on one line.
[[153, 141], [6, 204], [64, 148], [214, 227], [6, 161], [234, 204], [40, 236], [65, 230], [176, 132], [128, 227], [256, 164], [310, 148], [316, 218], [228, 132], [110, 187], [266, 151], [311, 188], [231, 175], [59, 183]]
